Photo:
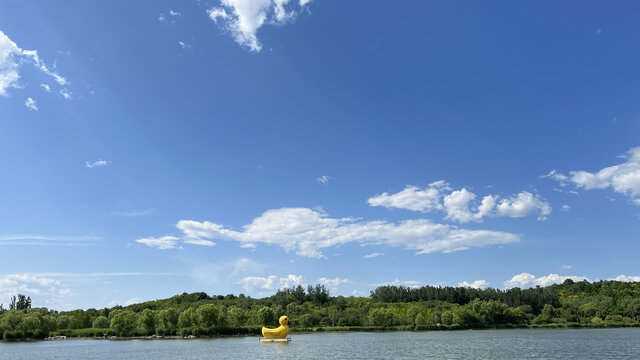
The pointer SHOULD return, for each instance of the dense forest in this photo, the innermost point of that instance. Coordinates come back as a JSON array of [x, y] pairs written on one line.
[[571, 304]]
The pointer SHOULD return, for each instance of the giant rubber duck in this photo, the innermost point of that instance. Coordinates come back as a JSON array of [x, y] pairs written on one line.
[[280, 332]]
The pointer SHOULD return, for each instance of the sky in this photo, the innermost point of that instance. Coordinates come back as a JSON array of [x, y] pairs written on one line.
[[152, 148]]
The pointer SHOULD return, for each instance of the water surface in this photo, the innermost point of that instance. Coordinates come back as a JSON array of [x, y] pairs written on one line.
[[478, 344]]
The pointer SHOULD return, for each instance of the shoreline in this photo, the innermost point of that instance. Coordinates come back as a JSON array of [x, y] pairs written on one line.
[[363, 329]]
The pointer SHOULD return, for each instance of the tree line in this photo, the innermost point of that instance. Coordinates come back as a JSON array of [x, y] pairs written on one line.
[[604, 303]]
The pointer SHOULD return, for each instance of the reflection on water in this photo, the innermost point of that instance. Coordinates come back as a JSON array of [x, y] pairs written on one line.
[[478, 344]]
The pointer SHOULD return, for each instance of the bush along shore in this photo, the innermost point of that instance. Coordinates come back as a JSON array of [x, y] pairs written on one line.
[[388, 308]]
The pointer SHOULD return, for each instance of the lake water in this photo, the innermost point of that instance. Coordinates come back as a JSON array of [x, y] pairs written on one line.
[[478, 344]]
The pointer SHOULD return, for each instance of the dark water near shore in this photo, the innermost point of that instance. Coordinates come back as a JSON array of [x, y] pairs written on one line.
[[478, 344]]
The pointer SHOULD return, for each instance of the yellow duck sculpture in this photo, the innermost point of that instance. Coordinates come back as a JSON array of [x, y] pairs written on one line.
[[280, 332]]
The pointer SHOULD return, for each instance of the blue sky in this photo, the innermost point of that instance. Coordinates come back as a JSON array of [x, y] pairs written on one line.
[[152, 148]]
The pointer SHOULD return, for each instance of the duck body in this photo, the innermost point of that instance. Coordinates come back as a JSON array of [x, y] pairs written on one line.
[[279, 332]]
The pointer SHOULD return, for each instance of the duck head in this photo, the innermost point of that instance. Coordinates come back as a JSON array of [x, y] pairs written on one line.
[[284, 320]]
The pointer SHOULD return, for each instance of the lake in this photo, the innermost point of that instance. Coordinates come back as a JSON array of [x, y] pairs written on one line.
[[477, 344]]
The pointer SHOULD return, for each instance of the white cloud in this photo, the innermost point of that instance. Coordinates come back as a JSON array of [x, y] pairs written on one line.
[[201, 242], [478, 284], [626, 278], [553, 174], [65, 94], [243, 18], [333, 283], [162, 243], [623, 178], [566, 207], [307, 232], [12, 57], [99, 274], [124, 303], [397, 282], [136, 213], [486, 207], [523, 204], [459, 204], [413, 198], [97, 163], [31, 104], [526, 280], [47, 240], [184, 45], [324, 179], [270, 283], [42, 290], [566, 267], [372, 255], [46, 87], [163, 16]]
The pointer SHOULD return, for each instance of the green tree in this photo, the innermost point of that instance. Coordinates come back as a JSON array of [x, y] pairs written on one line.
[[101, 322], [12, 319], [168, 320], [124, 323], [62, 322], [48, 323], [147, 322], [266, 317], [31, 322], [208, 315], [238, 316], [380, 317], [188, 319], [447, 317], [412, 314]]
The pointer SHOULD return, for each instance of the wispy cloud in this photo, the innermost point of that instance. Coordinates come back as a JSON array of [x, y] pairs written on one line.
[[31, 104], [244, 18], [48, 240], [623, 178], [162, 242], [324, 179], [168, 16], [397, 282], [79, 275], [184, 45], [11, 59], [97, 163], [136, 213], [124, 303], [46, 87], [372, 255], [65, 94]]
